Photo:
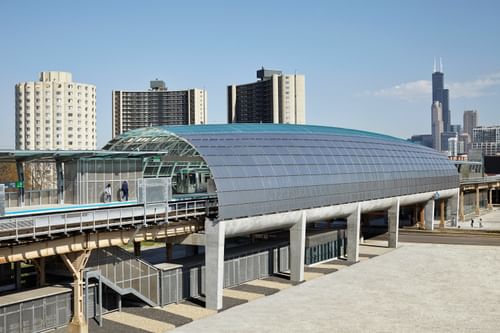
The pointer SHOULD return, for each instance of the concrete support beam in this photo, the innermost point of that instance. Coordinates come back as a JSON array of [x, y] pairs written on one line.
[[393, 224], [478, 209], [214, 263], [137, 249], [462, 207], [76, 262], [441, 214], [297, 249], [191, 239], [353, 231], [429, 214]]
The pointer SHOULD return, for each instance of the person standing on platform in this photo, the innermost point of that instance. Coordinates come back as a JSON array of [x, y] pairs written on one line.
[[107, 193], [124, 190]]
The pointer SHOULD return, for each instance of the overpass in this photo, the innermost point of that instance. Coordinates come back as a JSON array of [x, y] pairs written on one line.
[[233, 180]]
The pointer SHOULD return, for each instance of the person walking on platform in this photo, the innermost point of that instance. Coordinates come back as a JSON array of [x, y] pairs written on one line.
[[107, 193], [124, 190], [472, 223]]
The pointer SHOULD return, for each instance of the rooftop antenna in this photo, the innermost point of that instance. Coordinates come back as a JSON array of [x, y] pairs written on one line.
[[434, 71], [440, 64]]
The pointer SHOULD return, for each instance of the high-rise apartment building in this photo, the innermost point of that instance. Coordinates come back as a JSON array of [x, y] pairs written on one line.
[[274, 98], [437, 125], [486, 139], [158, 106], [470, 121], [55, 113]]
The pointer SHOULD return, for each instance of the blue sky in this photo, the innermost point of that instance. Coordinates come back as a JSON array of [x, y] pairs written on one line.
[[367, 64]]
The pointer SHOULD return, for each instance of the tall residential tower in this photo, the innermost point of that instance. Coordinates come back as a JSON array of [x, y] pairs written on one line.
[[55, 113], [158, 106], [274, 98]]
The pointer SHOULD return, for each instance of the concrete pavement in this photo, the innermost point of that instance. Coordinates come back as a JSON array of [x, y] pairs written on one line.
[[416, 288]]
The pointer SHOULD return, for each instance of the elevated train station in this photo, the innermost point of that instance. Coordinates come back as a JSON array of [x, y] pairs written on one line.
[[205, 185]]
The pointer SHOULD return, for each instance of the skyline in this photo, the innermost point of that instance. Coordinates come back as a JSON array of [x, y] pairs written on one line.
[[367, 66]]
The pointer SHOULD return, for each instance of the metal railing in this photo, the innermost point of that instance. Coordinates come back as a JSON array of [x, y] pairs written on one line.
[[480, 180], [32, 198], [58, 223]]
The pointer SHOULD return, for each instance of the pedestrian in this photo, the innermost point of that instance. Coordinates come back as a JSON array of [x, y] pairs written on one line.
[[124, 190], [480, 222], [107, 193], [472, 223]]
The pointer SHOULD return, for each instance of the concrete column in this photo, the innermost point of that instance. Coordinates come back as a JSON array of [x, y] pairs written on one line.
[[297, 249], [137, 249], [169, 249], [353, 230], [422, 218], [393, 224], [429, 214], [214, 263], [462, 208], [441, 213], [490, 198], [478, 210], [455, 202], [17, 274], [40, 271]]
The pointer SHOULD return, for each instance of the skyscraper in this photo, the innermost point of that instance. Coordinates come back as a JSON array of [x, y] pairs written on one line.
[[486, 139], [441, 95], [158, 106], [437, 125], [55, 113], [275, 98], [470, 121]]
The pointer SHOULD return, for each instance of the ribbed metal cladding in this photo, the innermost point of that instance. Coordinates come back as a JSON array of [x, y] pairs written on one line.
[[269, 168]]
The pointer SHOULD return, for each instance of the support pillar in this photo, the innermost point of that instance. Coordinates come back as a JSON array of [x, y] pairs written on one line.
[[20, 177], [137, 249], [393, 224], [441, 214], [422, 218], [169, 250], [490, 198], [297, 249], [214, 263], [76, 262], [17, 274], [455, 203], [40, 271], [478, 209], [462, 208], [429, 214], [60, 182], [353, 227]]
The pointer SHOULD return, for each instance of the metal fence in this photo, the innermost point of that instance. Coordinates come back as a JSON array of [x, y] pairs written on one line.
[[36, 315]]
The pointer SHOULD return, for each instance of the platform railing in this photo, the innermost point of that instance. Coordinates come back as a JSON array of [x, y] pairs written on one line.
[[64, 223]]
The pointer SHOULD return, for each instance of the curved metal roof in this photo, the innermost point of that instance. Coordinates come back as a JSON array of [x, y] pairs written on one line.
[[267, 168]]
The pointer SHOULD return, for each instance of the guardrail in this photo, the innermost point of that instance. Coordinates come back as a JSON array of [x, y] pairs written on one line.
[[480, 180], [32, 198], [57, 223]]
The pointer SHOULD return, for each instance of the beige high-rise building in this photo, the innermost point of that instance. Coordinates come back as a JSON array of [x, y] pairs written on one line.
[[437, 125], [158, 106], [275, 98], [55, 113]]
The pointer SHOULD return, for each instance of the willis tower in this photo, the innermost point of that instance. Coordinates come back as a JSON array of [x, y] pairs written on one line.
[[439, 94]]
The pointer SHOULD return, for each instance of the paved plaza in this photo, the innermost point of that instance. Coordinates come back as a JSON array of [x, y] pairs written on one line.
[[416, 288]]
